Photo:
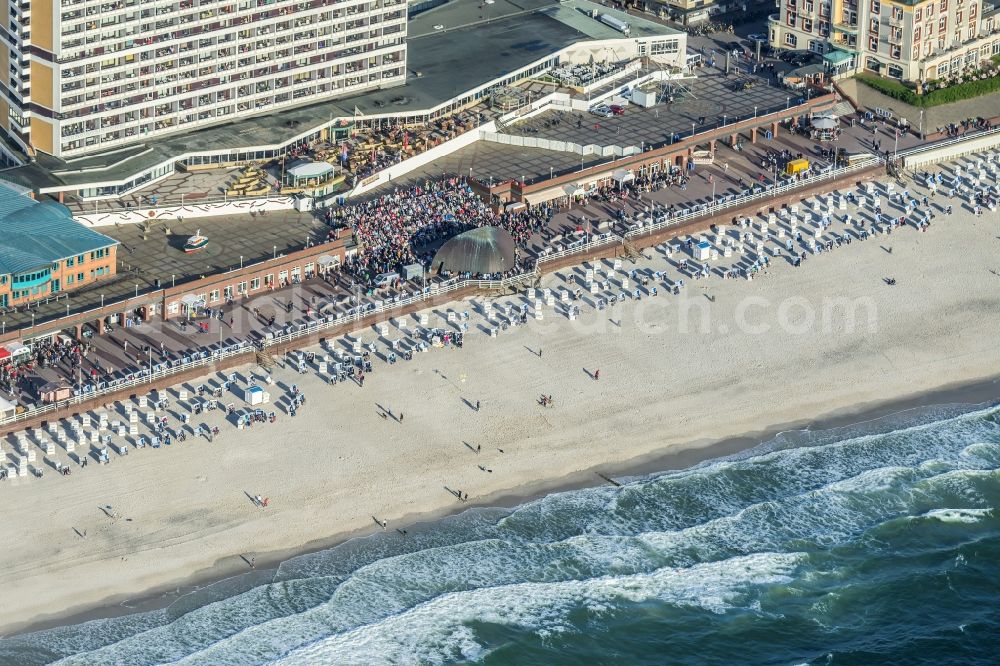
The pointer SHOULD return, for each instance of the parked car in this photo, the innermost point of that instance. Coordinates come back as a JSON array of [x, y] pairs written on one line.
[[617, 110], [602, 111], [757, 37], [799, 57]]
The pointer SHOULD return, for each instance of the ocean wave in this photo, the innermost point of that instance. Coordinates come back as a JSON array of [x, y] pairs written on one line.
[[831, 488], [958, 515], [438, 632]]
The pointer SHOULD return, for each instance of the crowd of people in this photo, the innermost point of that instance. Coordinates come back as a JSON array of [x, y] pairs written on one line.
[[16, 372], [963, 126], [407, 226]]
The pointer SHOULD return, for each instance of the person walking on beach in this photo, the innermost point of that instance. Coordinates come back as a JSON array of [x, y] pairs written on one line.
[[253, 562], [477, 405], [597, 374]]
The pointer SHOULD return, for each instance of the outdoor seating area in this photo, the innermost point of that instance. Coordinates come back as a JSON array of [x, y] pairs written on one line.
[[583, 75], [369, 150], [249, 182]]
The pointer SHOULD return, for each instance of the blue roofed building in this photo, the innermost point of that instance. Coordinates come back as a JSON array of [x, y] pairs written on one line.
[[44, 251]]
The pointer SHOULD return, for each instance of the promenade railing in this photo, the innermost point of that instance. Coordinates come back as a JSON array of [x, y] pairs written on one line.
[[373, 310], [147, 375], [708, 210]]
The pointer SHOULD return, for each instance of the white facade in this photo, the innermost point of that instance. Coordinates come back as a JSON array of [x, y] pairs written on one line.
[[911, 40], [121, 71]]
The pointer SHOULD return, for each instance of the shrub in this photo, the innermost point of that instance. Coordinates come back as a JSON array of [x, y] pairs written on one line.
[[945, 95]]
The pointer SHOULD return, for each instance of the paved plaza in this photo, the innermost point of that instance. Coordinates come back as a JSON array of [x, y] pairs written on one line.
[[708, 97], [486, 161], [155, 252]]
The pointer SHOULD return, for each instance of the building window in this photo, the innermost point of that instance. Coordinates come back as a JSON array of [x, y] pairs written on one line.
[[873, 43], [213, 296], [255, 284], [807, 25], [791, 40], [895, 71], [876, 7], [897, 13], [69, 263]]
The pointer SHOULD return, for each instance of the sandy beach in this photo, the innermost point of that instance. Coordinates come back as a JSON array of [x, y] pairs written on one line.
[[724, 359]]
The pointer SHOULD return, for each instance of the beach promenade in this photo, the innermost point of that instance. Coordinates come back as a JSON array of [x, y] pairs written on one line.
[[630, 383]]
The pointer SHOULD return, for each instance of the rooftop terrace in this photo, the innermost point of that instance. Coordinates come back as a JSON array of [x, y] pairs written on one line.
[[446, 49]]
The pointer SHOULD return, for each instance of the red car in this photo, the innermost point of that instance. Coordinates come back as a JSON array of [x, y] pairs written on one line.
[[617, 110]]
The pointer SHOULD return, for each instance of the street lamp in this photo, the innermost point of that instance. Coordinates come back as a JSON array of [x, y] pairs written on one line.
[[692, 128], [274, 252], [755, 112], [136, 289], [173, 280], [788, 103], [241, 262], [723, 120], [102, 300]]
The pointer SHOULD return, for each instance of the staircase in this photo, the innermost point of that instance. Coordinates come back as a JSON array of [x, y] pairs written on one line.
[[265, 360], [631, 251], [843, 108]]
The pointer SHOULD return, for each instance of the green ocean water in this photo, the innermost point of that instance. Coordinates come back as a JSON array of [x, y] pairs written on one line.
[[872, 544]]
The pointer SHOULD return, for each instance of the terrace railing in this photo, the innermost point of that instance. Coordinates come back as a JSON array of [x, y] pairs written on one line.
[[376, 309], [708, 210]]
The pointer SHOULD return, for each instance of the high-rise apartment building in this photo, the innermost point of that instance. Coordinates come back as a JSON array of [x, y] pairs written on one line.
[[82, 76], [911, 40]]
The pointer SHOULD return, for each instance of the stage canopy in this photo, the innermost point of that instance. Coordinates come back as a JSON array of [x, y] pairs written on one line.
[[483, 250]]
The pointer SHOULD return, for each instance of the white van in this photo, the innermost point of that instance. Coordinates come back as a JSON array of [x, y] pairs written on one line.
[[384, 280]]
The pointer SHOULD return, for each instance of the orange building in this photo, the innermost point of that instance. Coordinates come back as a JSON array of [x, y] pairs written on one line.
[[44, 251]]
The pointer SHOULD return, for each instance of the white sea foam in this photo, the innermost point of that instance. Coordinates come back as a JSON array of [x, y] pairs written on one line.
[[592, 546], [438, 632], [958, 515]]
